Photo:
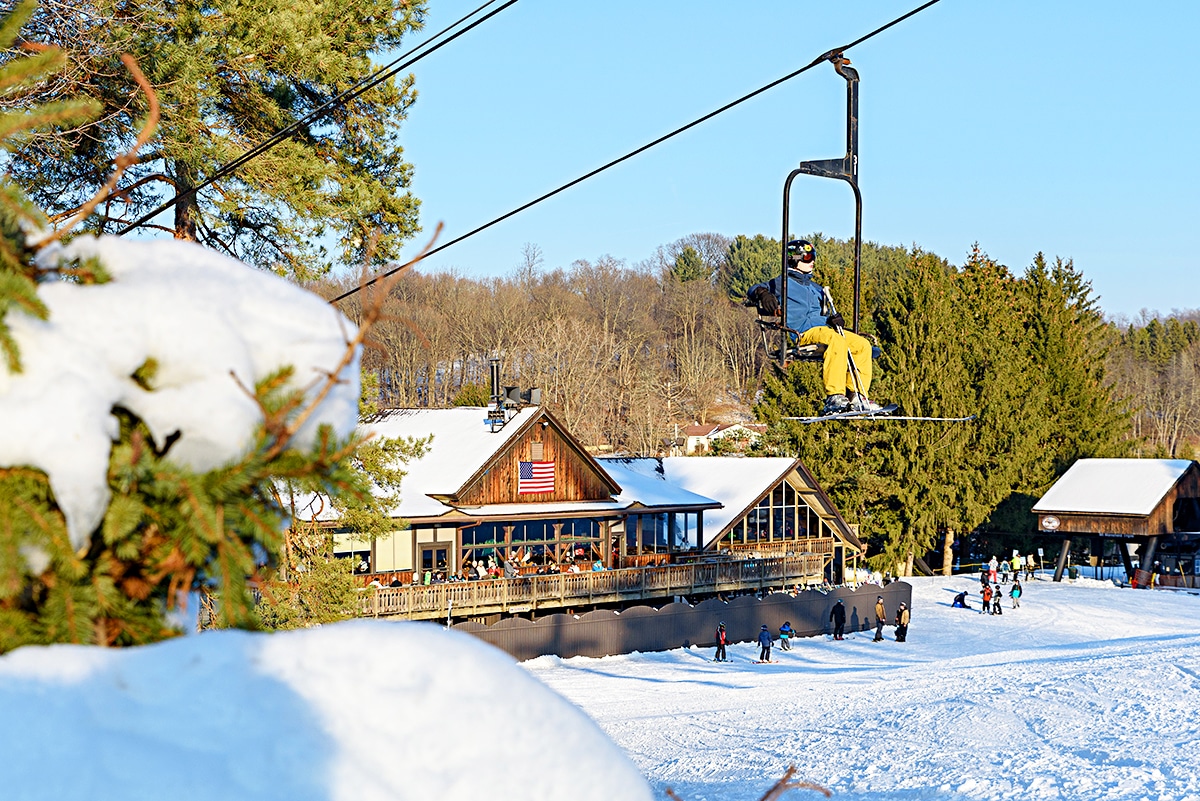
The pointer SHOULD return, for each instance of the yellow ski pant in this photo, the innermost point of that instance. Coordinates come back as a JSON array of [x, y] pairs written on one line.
[[837, 371]]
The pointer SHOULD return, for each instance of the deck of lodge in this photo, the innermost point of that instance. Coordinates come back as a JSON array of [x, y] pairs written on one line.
[[543, 593]]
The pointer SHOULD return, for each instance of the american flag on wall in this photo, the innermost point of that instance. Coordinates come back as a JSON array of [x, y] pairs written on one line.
[[535, 477]]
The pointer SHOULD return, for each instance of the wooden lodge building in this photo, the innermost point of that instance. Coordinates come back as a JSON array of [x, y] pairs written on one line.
[[1150, 506], [508, 514]]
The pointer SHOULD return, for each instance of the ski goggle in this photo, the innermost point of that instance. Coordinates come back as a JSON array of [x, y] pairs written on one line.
[[805, 253]]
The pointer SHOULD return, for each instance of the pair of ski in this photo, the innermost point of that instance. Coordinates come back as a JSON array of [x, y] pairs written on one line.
[[885, 413]]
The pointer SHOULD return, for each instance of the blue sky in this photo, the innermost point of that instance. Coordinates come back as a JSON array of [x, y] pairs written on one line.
[[1067, 128]]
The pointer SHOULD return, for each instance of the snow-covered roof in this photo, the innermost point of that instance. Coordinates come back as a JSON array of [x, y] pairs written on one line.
[[735, 482], [463, 442], [644, 481], [1113, 486]]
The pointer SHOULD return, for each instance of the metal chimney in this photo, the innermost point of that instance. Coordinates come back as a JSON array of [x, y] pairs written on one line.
[[497, 394]]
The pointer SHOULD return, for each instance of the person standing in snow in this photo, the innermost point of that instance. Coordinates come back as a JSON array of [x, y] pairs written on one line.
[[1015, 593], [721, 642], [993, 567], [880, 616], [764, 641], [902, 623], [986, 592], [997, 596], [1004, 572], [785, 636], [838, 617]]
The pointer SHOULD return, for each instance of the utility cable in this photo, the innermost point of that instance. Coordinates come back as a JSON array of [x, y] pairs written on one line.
[[370, 82], [824, 57]]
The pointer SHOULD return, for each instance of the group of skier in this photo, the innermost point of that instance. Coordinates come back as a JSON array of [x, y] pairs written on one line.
[[998, 571], [837, 617], [993, 593]]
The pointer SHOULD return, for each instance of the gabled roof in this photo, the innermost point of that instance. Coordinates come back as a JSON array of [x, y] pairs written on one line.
[[463, 443], [712, 429], [1113, 486], [737, 483]]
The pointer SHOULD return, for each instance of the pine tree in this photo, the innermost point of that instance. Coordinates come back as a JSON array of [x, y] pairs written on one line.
[[229, 75], [1071, 345], [749, 261]]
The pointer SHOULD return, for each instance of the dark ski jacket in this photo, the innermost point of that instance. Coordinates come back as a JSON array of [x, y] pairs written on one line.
[[805, 300], [764, 638], [838, 614], [785, 631], [721, 637]]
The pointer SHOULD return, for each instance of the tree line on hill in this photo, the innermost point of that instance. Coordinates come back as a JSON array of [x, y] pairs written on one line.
[[626, 356]]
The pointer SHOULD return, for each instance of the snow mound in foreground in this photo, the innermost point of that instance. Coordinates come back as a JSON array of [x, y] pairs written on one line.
[[361, 710]]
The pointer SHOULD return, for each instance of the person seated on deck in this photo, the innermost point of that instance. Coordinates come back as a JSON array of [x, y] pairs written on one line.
[[805, 316]]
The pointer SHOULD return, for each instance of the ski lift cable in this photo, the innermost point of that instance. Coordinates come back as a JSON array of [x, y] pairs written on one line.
[[838, 51], [379, 76]]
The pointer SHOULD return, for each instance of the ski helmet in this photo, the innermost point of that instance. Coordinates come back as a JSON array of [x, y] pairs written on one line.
[[801, 254]]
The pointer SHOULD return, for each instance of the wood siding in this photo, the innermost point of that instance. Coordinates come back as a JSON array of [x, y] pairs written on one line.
[[575, 476]]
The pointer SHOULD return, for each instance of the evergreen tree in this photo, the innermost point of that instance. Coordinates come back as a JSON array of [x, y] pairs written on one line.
[[229, 75], [689, 266], [749, 261], [1071, 343]]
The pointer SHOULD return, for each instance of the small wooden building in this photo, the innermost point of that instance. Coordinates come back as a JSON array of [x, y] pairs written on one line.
[[1142, 501]]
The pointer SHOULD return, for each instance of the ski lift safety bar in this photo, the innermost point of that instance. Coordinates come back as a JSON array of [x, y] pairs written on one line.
[[844, 169]]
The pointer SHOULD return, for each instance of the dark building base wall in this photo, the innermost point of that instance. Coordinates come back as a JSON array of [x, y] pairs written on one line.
[[680, 625]]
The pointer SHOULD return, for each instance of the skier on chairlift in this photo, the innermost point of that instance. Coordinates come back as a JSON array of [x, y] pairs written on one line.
[[809, 318]]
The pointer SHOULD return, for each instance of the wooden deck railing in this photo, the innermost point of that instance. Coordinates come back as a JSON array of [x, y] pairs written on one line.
[[528, 593], [784, 547]]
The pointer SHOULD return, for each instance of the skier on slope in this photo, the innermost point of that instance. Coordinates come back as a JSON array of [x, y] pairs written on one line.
[[806, 316], [837, 616], [722, 641], [902, 618], [764, 641], [785, 636], [880, 616]]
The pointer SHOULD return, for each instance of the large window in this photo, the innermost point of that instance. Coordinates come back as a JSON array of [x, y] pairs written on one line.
[[663, 532], [534, 542], [782, 516]]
